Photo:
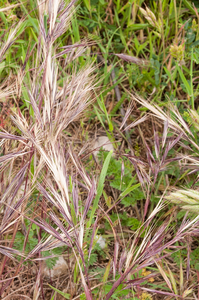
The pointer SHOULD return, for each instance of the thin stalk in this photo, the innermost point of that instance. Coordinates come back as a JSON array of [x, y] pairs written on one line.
[[191, 79]]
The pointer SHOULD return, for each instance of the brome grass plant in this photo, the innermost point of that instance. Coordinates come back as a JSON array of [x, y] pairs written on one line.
[[112, 219]]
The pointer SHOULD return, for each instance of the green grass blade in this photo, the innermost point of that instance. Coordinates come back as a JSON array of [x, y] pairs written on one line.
[[188, 5], [65, 295], [129, 189], [2, 16], [185, 82], [98, 115], [53, 297], [138, 26], [118, 105], [191, 80], [100, 186]]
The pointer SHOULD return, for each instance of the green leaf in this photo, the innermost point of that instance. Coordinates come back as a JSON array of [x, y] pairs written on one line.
[[50, 262], [185, 82], [2, 66], [4, 19], [134, 223], [188, 5], [65, 295], [98, 115], [100, 186], [93, 259], [53, 296], [133, 197], [31, 21], [138, 26], [35, 227], [118, 105], [107, 270], [197, 266], [129, 189], [45, 23]]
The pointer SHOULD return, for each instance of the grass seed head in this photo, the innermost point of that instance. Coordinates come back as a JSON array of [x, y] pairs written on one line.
[[151, 18]]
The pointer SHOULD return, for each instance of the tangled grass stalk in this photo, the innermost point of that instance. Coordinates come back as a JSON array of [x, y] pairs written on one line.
[[39, 160]]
